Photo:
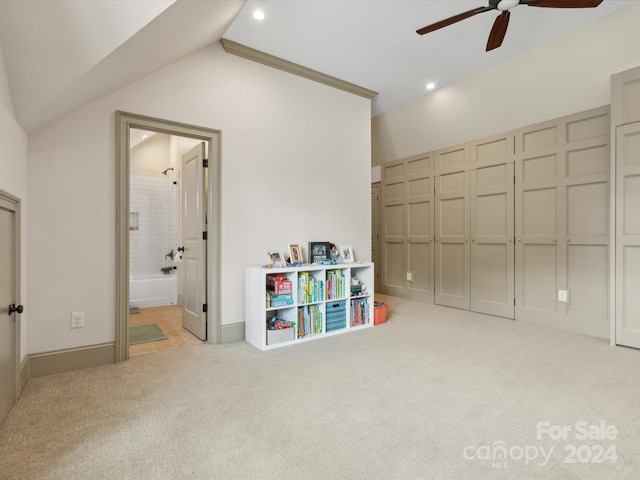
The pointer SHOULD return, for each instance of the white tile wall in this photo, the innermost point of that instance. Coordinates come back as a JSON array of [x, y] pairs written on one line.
[[155, 200]]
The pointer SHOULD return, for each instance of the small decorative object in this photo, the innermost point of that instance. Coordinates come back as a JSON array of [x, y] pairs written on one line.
[[319, 252], [276, 259], [295, 254], [347, 253]]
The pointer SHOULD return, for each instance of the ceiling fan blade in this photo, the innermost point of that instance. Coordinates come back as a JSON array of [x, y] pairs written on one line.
[[498, 31], [451, 20], [562, 3]]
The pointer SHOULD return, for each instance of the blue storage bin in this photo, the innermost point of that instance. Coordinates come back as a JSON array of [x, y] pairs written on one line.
[[336, 315]]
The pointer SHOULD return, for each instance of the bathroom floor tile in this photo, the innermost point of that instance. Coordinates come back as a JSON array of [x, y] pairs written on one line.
[[170, 321]]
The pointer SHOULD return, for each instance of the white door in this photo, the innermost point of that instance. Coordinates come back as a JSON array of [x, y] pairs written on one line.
[[194, 228], [628, 235], [8, 264]]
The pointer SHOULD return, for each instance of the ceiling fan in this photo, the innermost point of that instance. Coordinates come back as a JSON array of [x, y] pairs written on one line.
[[499, 29]]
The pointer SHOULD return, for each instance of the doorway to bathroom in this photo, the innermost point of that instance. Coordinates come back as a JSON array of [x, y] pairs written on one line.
[[168, 211], [162, 188]]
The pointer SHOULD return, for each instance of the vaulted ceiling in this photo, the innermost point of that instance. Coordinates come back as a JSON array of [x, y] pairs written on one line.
[[60, 55]]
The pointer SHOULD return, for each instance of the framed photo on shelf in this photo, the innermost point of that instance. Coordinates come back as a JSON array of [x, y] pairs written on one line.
[[318, 251], [295, 253], [276, 259], [346, 252]]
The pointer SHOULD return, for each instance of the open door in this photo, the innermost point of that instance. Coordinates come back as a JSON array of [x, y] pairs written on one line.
[[9, 263], [194, 241], [628, 235]]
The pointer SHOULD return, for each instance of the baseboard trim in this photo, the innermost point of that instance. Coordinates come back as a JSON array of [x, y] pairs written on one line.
[[24, 373], [232, 332], [61, 361]]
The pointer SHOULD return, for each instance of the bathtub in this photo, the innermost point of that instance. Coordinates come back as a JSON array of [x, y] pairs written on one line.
[[153, 291]]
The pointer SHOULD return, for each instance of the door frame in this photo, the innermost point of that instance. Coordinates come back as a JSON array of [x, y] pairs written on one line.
[[124, 123], [14, 205], [375, 221]]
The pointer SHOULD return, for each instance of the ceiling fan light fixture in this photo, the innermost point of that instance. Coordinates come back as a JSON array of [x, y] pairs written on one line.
[[505, 5]]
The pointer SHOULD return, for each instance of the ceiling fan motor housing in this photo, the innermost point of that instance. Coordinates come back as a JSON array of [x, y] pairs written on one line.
[[504, 5]]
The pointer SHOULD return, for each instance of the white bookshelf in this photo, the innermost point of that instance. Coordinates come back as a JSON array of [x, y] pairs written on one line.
[[257, 312]]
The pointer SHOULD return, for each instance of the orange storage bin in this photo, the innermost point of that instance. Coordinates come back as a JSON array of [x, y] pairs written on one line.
[[380, 313]]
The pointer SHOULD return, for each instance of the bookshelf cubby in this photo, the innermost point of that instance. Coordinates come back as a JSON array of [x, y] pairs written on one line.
[[324, 303]]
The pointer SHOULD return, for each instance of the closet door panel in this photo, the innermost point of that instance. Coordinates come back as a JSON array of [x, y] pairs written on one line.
[[562, 223], [420, 226], [452, 240], [392, 228], [628, 235], [492, 251]]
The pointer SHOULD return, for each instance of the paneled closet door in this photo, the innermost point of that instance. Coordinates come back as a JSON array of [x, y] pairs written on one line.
[[562, 194], [452, 240], [393, 281], [407, 228], [539, 204], [492, 251], [420, 226], [628, 235]]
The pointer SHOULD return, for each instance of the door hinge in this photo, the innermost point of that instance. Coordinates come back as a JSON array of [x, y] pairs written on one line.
[[204, 308], [204, 235], [205, 163], [514, 302]]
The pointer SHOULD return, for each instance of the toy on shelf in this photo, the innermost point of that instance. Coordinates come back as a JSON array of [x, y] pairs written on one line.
[[276, 324]]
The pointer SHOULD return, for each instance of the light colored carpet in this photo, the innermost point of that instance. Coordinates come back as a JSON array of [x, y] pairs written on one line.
[[404, 400]]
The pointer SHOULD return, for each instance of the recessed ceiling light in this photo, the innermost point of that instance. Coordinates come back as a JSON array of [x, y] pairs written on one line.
[[431, 86], [258, 14], [144, 136]]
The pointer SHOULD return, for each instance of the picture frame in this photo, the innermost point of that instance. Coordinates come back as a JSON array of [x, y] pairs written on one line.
[[346, 252], [318, 251], [295, 253], [276, 258]]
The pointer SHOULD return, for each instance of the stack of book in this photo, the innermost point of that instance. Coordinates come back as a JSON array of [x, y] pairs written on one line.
[[274, 300], [309, 320], [335, 284], [359, 312], [310, 290]]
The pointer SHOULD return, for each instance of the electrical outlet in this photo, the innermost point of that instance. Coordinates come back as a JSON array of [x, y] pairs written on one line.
[[563, 296], [410, 276], [77, 319]]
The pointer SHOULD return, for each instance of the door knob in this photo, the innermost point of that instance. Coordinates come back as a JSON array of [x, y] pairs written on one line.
[[13, 308]]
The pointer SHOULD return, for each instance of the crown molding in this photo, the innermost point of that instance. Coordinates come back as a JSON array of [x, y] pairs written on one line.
[[290, 67]]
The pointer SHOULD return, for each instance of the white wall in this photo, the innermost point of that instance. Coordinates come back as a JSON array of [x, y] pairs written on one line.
[[568, 75], [295, 167], [13, 180]]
